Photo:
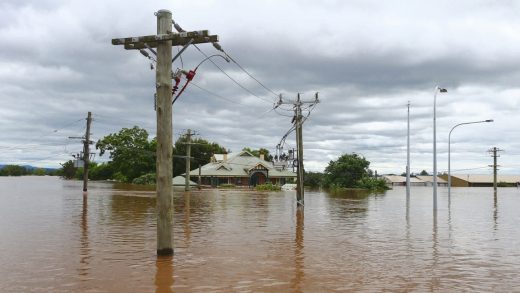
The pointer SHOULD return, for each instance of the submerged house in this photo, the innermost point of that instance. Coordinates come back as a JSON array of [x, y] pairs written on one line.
[[480, 180], [242, 169], [397, 180]]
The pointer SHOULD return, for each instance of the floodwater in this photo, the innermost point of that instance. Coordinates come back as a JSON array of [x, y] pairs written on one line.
[[54, 240]]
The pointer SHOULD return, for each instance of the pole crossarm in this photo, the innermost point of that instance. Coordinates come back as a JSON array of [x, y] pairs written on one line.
[[178, 39]]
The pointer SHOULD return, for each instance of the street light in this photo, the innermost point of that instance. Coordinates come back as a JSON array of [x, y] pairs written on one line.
[[449, 149], [441, 90], [408, 157]]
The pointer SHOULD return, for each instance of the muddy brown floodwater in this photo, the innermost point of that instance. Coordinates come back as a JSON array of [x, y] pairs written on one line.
[[54, 240]]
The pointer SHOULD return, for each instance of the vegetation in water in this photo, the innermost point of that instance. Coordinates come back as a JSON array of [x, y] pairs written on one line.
[[267, 187], [146, 179], [351, 171], [133, 159], [16, 170]]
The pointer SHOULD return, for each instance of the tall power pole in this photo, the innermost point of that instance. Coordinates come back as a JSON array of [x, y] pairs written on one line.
[[163, 41], [86, 152], [494, 153], [408, 157], [188, 160], [298, 122], [300, 192]]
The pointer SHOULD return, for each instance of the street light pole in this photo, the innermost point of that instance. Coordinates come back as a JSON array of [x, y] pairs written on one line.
[[408, 158], [449, 149], [441, 90]]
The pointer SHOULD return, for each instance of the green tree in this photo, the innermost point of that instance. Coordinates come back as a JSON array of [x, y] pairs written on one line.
[[372, 183], [68, 171], [13, 170], [424, 173], [313, 179], [131, 152], [346, 171], [267, 156], [39, 172], [101, 171], [201, 151]]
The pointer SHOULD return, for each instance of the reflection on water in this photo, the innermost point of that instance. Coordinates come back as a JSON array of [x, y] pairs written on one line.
[[298, 252], [164, 274], [56, 240], [84, 251]]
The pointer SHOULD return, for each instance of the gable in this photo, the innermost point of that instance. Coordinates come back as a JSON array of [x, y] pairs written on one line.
[[245, 154], [259, 166], [223, 167]]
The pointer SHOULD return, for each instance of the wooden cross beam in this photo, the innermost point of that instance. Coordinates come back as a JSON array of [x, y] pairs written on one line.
[[178, 39]]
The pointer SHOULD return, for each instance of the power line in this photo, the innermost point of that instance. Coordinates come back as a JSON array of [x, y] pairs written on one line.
[[231, 78], [250, 75], [229, 100], [217, 46], [217, 95], [43, 135]]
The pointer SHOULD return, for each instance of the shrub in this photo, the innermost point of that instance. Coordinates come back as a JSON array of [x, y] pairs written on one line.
[[146, 179], [226, 185], [371, 183], [118, 176], [268, 187]]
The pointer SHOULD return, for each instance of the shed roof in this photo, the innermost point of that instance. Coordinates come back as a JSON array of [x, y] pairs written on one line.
[[429, 178], [484, 178], [180, 180], [400, 179]]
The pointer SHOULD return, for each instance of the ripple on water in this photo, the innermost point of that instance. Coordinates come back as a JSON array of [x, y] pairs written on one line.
[[252, 241]]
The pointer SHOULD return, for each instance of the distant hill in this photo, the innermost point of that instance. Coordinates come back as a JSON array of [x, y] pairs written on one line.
[[29, 167]]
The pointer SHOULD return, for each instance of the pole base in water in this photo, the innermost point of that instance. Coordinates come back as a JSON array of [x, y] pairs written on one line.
[[165, 251]]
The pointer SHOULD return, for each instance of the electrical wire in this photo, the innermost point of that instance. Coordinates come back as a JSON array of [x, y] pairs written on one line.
[[231, 78], [250, 75], [216, 45], [217, 95], [43, 135], [290, 116], [229, 100]]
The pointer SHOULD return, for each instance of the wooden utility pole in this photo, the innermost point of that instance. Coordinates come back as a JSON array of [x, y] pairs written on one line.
[[86, 152], [299, 143], [188, 160], [494, 151], [298, 122], [163, 41], [164, 137], [200, 181]]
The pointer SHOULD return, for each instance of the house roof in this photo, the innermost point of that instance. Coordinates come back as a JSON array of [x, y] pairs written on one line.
[[180, 180], [429, 178], [480, 178], [238, 165], [400, 179], [219, 157]]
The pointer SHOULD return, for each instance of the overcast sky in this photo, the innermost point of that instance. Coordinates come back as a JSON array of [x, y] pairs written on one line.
[[366, 59]]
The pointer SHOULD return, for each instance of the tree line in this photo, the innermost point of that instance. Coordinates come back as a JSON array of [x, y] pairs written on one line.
[[16, 170], [133, 158]]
